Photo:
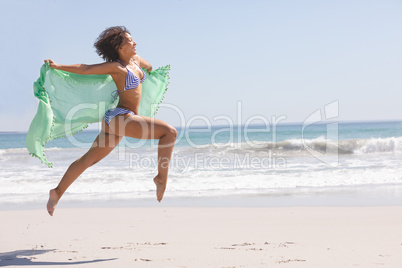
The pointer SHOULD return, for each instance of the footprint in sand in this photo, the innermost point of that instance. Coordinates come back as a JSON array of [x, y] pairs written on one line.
[[142, 260]]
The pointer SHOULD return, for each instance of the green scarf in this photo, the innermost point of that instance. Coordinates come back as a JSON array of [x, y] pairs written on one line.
[[68, 102]]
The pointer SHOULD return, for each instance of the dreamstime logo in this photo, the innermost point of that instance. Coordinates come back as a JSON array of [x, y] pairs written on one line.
[[238, 135], [196, 161]]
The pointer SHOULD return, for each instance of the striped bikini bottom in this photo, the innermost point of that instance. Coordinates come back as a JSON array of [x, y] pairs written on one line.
[[114, 112]]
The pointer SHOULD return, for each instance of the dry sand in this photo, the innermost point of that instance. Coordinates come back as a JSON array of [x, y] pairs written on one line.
[[327, 237]]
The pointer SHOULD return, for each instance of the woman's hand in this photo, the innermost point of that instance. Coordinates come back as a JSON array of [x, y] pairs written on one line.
[[52, 63]]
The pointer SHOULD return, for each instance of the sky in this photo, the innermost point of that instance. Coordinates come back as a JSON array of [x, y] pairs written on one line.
[[229, 59]]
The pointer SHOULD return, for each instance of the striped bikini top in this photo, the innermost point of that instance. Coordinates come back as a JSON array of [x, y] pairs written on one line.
[[132, 81]]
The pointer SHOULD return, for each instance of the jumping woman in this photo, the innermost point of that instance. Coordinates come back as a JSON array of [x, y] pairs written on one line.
[[116, 46]]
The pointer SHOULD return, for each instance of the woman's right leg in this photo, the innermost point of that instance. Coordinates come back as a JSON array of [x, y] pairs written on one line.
[[142, 127], [100, 148]]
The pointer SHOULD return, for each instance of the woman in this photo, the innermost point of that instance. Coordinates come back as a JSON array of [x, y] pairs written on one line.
[[116, 46]]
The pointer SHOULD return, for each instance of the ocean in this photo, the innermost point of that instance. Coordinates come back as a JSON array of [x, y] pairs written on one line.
[[215, 162]]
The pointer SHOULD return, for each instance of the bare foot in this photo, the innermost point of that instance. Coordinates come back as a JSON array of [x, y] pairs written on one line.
[[160, 187], [53, 199]]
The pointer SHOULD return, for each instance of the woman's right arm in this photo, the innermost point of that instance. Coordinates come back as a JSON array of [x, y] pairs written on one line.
[[102, 68]]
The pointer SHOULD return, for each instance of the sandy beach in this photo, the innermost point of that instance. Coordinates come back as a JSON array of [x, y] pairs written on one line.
[[275, 123], [203, 237]]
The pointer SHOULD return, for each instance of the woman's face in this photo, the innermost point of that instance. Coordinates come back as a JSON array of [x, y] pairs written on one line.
[[128, 46]]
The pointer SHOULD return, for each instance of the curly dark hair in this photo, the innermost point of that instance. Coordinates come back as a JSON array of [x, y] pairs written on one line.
[[109, 42]]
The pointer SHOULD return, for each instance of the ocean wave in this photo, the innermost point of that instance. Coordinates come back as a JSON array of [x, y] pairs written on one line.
[[294, 146], [353, 146], [285, 147]]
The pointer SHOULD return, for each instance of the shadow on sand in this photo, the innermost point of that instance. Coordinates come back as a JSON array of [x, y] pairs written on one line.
[[13, 258]]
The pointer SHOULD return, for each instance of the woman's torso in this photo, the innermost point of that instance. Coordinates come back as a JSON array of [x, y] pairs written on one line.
[[129, 98]]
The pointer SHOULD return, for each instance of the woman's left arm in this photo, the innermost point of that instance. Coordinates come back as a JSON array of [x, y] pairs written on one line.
[[143, 63]]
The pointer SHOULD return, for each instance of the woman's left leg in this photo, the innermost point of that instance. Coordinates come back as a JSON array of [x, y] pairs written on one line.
[[142, 127], [100, 148]]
